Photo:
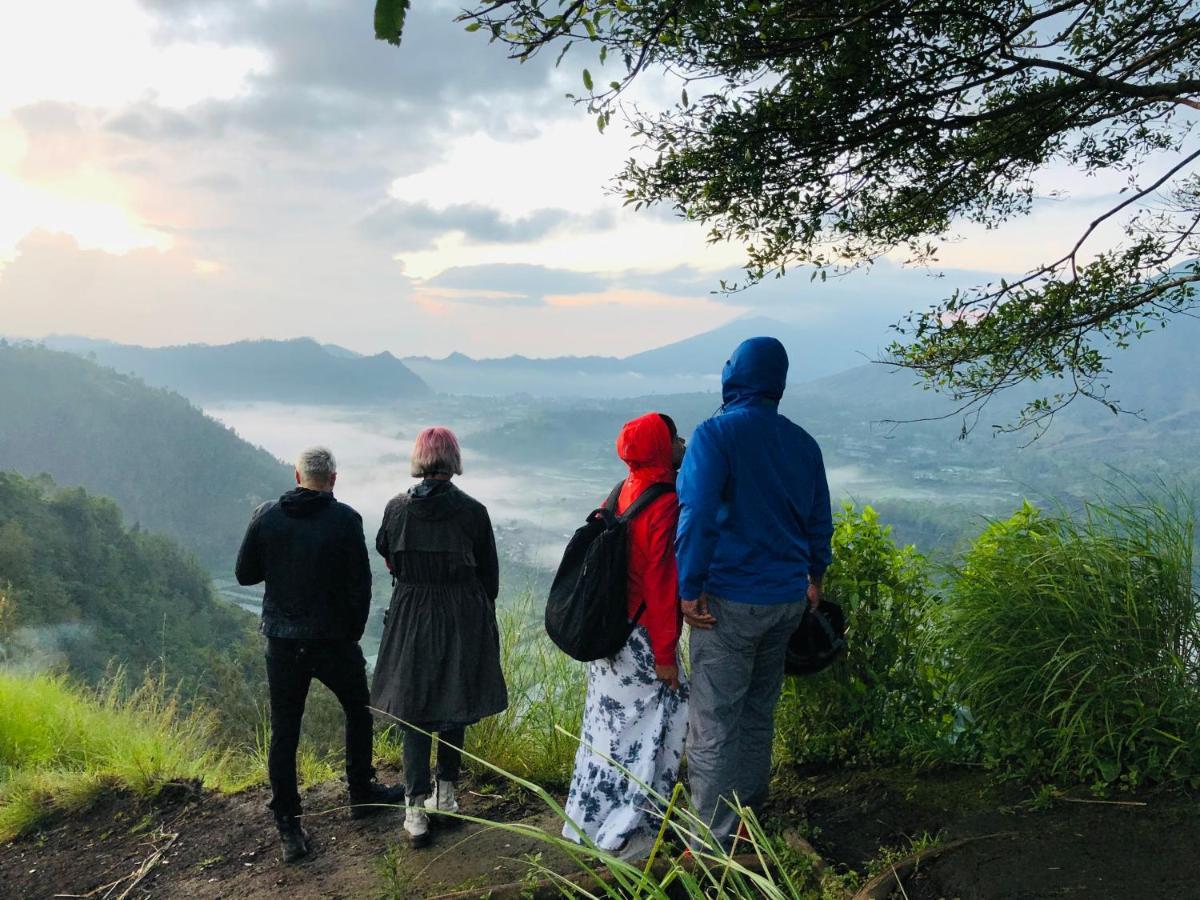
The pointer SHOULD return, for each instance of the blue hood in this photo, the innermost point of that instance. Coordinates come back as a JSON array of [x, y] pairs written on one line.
[[756, 372]]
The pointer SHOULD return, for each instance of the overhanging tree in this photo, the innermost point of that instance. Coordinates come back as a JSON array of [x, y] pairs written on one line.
[[827, 134]]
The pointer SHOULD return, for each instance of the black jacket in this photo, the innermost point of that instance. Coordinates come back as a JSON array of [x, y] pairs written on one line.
[[310, 550], [451, 534]]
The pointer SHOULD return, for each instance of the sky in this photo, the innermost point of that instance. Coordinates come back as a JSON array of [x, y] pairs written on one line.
[[178, 171]]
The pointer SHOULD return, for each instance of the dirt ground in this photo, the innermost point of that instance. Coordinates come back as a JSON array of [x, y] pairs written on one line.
[[198, 844], [1075, 845]]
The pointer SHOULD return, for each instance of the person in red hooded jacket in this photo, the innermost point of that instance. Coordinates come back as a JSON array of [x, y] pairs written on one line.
[[635, 715]]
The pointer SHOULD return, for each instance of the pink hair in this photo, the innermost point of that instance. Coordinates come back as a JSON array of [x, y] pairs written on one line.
[[436, 452]]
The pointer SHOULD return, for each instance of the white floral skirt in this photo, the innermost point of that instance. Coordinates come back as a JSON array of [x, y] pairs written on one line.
[[637, 722]]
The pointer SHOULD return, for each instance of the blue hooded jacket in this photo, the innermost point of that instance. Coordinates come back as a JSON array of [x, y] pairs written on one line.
[[754, 518]]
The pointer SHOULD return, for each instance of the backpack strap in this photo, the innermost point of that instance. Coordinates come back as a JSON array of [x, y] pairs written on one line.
[[648, 496], [611, 503]]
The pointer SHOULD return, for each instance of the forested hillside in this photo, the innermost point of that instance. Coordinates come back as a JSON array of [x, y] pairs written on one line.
[[80, 590], [170, 468]]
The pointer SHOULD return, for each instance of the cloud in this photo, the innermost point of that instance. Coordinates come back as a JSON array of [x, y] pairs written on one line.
[[147, 121], [417, 226], [57, 136], [326, 70], [537, 281]]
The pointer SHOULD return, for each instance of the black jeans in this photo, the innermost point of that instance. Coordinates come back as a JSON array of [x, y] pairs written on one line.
[[417, 747], [291, 667]]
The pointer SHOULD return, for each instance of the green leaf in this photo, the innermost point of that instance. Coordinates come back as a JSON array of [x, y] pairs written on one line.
[[474, 26], [389, 20], [587, 79]]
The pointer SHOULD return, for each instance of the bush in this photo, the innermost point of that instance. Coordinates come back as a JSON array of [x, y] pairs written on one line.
[[880, 702], [1074, 643]]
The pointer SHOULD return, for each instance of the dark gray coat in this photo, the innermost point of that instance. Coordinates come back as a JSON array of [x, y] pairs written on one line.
[[439, 661]]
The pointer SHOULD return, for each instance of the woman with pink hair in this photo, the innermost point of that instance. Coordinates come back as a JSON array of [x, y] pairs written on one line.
[[439, 662]]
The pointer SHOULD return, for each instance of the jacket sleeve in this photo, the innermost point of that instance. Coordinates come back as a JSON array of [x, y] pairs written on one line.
[[358, 577], [487, 565], [249, 567], [383, 543], [660, 582], [701, 485], [819, 526]]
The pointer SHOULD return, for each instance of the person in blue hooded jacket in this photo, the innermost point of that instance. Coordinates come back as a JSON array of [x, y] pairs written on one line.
[[753, 543]]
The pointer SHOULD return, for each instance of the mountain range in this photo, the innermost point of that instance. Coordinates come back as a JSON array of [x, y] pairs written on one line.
[[692, 364], [303, 370], [295, 371]]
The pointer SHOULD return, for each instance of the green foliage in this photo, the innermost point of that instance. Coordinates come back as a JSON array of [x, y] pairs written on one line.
[[81, 589], [389, 20], [880, 702], [170, 468], [1075, 643]]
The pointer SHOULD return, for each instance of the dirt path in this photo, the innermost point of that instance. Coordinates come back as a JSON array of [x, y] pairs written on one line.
[[206, 845], [1000, 845]]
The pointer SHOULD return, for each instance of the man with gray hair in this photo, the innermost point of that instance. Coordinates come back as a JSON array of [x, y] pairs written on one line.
[[310, 550]]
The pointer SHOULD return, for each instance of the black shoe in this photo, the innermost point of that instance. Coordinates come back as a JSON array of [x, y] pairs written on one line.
[[293, 840], [374, 798]]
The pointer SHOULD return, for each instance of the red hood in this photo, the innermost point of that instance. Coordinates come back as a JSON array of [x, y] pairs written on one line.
[[645, 446]]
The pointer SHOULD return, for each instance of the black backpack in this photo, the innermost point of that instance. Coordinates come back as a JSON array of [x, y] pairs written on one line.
[[818, 641], [586, 614]]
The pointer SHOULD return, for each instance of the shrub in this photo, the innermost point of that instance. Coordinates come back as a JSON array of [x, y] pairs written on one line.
[[880, 702], [1074, 643]]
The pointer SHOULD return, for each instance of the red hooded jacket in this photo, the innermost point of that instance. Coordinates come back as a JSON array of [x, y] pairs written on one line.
[[645, 446]]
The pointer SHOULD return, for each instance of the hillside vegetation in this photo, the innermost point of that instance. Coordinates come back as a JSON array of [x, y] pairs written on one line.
[[78, 590], [170, 468]]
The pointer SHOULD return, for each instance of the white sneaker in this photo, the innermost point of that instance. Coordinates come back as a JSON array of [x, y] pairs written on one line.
[[416, 822], [444, 800]]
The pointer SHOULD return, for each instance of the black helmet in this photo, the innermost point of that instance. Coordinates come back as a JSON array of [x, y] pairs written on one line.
[[818, 641]]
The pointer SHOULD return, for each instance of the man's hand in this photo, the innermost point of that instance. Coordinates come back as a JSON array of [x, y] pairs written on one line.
[[815, 594], [668, 675], [696, 614]]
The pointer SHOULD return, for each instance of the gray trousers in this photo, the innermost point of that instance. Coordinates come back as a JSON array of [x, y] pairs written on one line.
[[737, 677]]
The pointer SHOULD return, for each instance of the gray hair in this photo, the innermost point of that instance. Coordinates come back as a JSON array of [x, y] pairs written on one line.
[[316, 465]]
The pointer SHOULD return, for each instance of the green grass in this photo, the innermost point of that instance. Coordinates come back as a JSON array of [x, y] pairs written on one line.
[[62, 744], [760, 866], [1074, 642]]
